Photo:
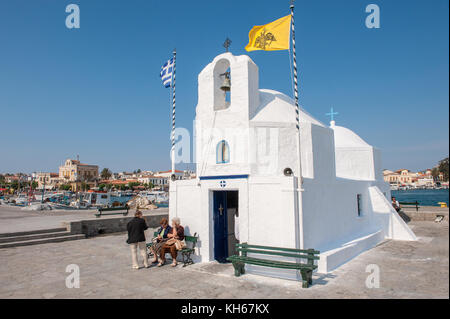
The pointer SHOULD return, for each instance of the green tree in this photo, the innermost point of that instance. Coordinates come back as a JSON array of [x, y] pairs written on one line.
[[14, 185], [443, 168], [65, 187], [133, 184], [106, 173], [85, 186], [435, 173], [34, 184]]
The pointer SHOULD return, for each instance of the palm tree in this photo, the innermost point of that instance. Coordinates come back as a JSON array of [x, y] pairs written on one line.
[[105, 174]]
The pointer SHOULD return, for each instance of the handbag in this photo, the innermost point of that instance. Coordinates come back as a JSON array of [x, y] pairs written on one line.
[[171, 241], [180, 244]]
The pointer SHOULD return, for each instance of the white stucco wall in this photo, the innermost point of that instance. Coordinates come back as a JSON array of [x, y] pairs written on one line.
[[259, 126]]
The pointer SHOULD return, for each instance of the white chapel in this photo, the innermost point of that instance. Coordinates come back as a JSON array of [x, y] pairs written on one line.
[[246, 187]]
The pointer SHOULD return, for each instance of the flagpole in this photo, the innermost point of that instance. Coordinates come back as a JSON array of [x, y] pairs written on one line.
[[173, 112], [299, 235]]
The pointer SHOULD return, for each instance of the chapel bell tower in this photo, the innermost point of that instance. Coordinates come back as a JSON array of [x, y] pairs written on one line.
[[228, 85]]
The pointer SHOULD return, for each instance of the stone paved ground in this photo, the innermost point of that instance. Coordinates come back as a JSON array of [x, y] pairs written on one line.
[[407, 269]]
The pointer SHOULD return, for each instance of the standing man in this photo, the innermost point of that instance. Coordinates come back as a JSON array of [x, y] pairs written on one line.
[[136, 237]]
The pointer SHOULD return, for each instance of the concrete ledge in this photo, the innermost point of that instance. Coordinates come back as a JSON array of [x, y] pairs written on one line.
[[332, 259], [99, 226], [413, 215]]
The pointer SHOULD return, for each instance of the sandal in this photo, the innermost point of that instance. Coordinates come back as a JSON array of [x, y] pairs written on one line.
[[174, 264], [160, 263]]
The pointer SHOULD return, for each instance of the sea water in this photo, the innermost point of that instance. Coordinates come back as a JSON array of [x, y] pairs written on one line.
[[425, 197]]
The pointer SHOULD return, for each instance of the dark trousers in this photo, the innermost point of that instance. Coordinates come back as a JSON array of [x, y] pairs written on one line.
[[168, 249]]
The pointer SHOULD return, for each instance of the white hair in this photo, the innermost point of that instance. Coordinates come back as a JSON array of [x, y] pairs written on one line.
[[176, 220]]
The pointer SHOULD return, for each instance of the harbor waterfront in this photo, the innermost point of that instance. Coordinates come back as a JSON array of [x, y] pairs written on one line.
[[425, 197]]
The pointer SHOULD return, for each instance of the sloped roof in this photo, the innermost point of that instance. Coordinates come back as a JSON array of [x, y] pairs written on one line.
[[278, 107]]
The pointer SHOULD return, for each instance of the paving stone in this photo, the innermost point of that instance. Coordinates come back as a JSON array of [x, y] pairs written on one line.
[[407, 270]]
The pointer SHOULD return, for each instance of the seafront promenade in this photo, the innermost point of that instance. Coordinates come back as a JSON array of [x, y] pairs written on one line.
[[14, 219], [407, 269]]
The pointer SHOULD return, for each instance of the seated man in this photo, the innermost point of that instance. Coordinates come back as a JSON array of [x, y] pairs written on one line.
[[395, 204], [175, 242], [163, 233]]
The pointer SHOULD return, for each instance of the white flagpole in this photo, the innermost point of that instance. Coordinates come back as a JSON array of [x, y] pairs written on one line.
[[173, 112], [299, 210]]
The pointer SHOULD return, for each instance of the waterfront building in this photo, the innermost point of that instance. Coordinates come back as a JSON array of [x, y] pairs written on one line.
[[246, 149], [11, 178], [404, 177], [400, 177], [167, 174], [75, 173], [49, 180], [155, 180]]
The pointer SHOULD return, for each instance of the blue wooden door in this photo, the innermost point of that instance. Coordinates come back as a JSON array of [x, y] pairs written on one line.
[[220, 226]]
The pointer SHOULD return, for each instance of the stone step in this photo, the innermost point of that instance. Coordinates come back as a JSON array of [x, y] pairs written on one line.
[[32, 232], [34, 236], [42, 241]]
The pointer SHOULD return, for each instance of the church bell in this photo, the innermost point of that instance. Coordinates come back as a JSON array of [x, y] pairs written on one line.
[[226, 85]]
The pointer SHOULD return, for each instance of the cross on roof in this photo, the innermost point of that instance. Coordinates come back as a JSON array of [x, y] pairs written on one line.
[[332, 114], [227, 43]]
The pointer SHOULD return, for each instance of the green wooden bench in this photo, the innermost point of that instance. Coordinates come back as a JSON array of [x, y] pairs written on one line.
[[411, 204], [185, 252], [113, 210], [150, 244], [188, 251], [306, 269]]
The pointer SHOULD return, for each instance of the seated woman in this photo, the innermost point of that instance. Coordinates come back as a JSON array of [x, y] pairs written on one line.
[[177, 234], [163, 233]]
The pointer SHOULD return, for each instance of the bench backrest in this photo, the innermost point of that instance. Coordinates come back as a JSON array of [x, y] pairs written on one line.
[[191, 239], [109, 209], [187, 239], [309, 254], [409, 203]]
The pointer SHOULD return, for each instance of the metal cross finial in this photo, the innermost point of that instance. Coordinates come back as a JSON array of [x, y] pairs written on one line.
[[227, 43], [292, 3], [332, 114]]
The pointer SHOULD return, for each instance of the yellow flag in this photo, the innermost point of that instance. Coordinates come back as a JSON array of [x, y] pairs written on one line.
[[270, 37]]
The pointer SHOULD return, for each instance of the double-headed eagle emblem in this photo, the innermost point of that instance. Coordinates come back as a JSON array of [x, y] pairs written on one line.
[[264, 40]]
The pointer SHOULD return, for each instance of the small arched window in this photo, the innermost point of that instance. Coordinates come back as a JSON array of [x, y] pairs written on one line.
[[222, 152]]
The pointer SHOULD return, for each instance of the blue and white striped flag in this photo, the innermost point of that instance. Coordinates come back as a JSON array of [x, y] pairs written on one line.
[[166, 73]]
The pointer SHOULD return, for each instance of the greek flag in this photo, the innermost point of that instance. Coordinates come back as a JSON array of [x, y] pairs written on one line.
[[166, 73]]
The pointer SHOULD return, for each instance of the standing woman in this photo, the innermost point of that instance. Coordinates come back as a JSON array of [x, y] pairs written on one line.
[[162, 237]]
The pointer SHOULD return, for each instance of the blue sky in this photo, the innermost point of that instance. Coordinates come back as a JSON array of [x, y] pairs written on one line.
[[96, 91]]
